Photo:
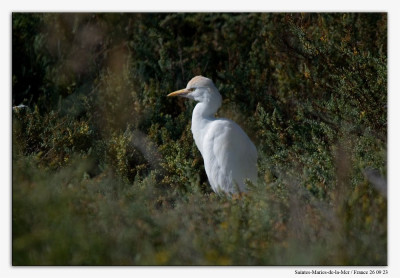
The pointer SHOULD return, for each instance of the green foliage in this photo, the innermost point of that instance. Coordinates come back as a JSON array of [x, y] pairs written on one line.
[[51, 139], [105, 170]]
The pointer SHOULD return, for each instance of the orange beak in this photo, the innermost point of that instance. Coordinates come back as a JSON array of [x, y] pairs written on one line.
[[179, 93]]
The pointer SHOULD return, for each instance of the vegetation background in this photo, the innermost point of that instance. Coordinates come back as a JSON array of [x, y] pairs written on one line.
[[105, 170]]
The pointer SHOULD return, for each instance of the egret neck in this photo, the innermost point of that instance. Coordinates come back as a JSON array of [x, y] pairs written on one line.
[[203, 114]]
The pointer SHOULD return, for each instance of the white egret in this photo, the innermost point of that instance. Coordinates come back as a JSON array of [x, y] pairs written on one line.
[[230, 158]]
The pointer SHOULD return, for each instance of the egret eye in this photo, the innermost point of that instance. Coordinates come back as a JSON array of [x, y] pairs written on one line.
[[191, 89]]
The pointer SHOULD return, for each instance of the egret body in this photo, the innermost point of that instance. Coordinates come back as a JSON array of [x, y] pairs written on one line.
[[230, 158]]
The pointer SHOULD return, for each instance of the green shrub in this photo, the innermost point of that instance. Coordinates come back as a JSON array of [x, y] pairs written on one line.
[[51, 138]]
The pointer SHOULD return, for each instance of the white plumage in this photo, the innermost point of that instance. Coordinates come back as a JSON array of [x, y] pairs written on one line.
[[229, 155]]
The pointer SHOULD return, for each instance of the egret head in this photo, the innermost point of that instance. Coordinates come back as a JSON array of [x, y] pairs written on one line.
[[201, 89]]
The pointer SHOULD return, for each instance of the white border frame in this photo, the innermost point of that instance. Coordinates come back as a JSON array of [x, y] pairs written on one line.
[[6, 270]]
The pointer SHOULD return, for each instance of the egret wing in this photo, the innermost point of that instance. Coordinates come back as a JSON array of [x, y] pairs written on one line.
[[233, 157]]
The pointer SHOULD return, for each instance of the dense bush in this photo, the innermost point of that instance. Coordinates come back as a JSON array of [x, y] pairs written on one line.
[[105, 170]]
